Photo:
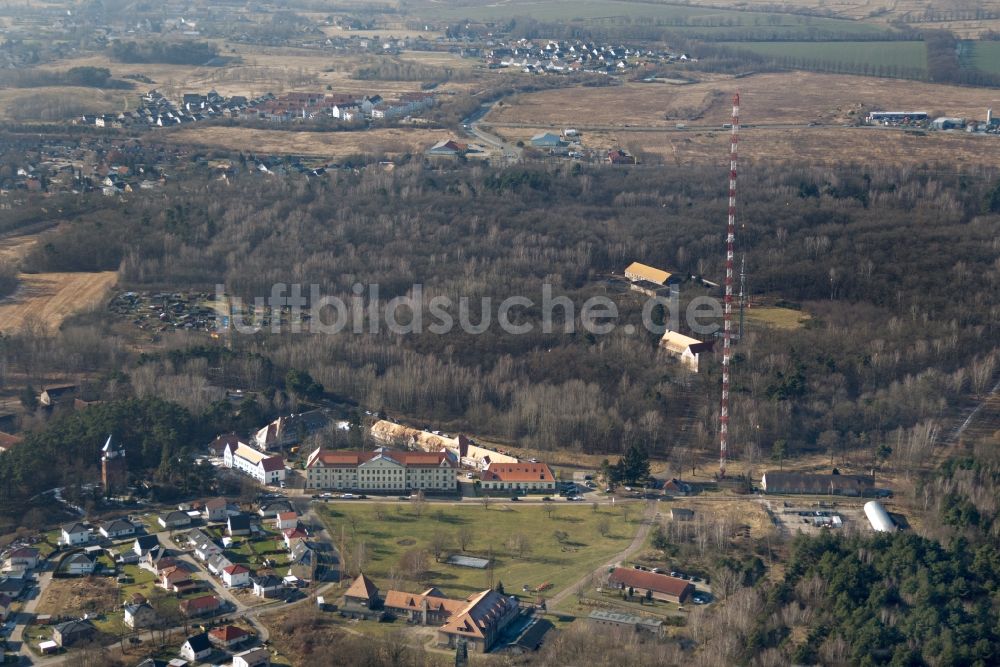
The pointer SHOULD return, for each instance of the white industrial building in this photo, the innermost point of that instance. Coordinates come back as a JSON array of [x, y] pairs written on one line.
[[880, 520]]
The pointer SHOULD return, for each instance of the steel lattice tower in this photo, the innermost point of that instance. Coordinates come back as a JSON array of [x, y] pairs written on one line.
[[727, 318]]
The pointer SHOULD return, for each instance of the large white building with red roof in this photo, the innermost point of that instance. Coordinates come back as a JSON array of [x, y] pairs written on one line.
[[263, 468], [381, 470], [517, 476]]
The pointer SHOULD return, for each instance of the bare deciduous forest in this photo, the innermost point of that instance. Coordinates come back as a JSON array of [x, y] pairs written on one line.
[[897, 269]]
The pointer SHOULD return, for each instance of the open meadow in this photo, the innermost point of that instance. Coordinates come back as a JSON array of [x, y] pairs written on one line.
[[49, 298], [904, 55], [330, 145], [529, 547], [681, 17], [784, 97]]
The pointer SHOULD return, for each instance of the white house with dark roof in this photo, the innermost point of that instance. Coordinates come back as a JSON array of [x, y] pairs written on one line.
[[74, 533], [79, 563], [117, 528]]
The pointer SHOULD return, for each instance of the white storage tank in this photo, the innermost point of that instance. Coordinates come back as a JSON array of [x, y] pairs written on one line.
[[878, 517]]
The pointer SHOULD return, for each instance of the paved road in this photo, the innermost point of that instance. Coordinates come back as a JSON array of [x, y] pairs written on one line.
[[474, 129], [637, 542]]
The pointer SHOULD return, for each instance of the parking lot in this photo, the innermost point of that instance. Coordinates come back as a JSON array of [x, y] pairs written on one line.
[[812, 517]]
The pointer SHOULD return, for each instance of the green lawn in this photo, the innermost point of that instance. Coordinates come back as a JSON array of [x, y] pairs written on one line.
[[911, 55], [143, 581], [986, 56], [675, 16], [545, 561]]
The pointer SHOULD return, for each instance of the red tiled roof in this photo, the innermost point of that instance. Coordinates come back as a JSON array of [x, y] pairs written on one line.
[[363, 588], [235, 569], [272, 463], [7, 440], [285, 516], [228, 633], [200, 603], [353, 459], [660, 583], [518, 472]]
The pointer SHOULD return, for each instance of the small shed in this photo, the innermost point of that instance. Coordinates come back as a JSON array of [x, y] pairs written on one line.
[[681, 514]]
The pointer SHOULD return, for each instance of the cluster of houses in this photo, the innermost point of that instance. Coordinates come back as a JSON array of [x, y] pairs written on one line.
[[569, 145], [564, 57], [478, 620], [157, 110]]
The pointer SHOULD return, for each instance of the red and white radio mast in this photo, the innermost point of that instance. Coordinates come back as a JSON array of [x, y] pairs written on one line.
[[727, 318]]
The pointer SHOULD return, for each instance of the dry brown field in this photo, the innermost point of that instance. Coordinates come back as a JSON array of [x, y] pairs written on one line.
[[786, 97], [269, 69], [818, 146], [49, 298], [391, 141]]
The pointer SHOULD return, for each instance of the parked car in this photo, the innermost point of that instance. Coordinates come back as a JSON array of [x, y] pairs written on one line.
[[515, 498], [547, 499]]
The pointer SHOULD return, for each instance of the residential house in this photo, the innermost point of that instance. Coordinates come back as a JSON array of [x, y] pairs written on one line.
[[117, 528], [267, 586], [227, 636], [57, 394], [362, 596], [536, 477], [218, 563], [74, 533], [5, 602], [271, 509], [660, 586], [255, 657], [157, 560], [72, 632], [618, 156], [261, 467], [138, 616], [12, 586], [304, 561], [675, 487], [22, 558], [174, 520], [196, 648], [603, 618], [175, 579], [382, 470], [684, 348], [144, 544], [216, 509], [481, 622], [235, 576], [816, 484], [204, 546], [79, 563], [238, 525], [286, 520], [203, 605], [292, 535], [286, 431]]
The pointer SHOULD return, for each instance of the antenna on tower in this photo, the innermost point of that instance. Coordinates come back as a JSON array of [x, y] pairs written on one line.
[[727, 317], [743, 292]]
